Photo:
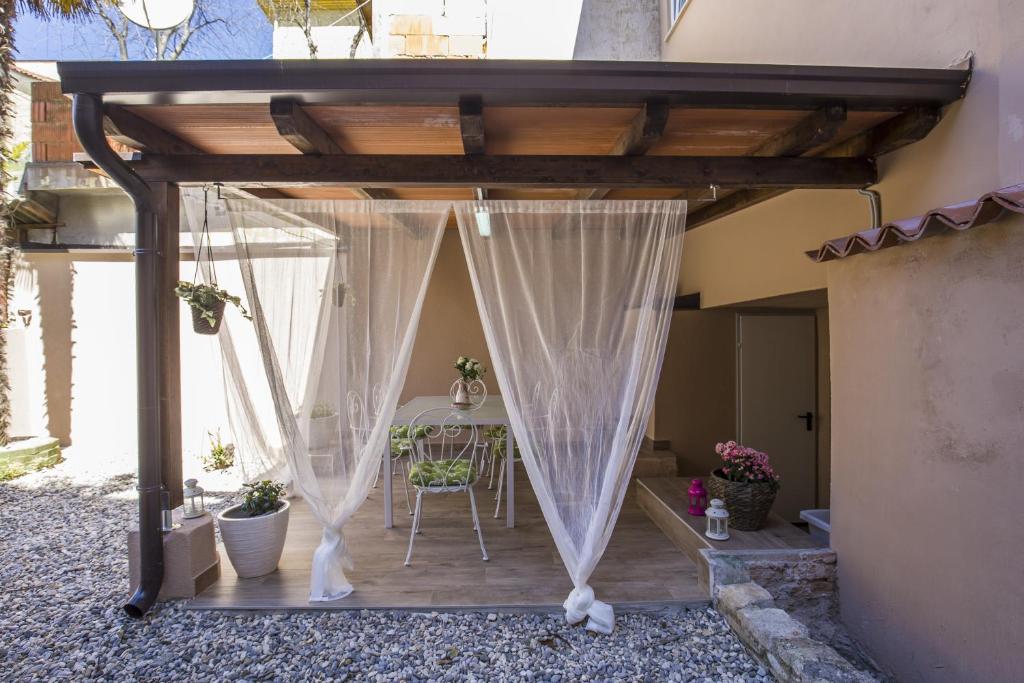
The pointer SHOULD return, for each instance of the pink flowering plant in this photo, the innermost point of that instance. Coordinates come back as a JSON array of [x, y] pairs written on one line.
[[747, 465]]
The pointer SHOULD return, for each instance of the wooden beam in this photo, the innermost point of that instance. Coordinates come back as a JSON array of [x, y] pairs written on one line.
[[471, 127], [132, 130], [645, 129], [421, 170], [899, 131], [687, 302], [304, 134], [812, 131], [167, 203]]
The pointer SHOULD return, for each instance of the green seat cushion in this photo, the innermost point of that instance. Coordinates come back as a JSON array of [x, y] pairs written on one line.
[[442, 473]]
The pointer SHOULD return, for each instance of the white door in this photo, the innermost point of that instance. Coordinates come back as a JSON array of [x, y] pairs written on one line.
[[776, 401]]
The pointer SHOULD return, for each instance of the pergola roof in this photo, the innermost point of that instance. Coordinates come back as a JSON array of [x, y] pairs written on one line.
[[453, 129]]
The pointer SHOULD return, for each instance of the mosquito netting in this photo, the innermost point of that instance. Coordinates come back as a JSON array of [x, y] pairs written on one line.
[[575, 300]]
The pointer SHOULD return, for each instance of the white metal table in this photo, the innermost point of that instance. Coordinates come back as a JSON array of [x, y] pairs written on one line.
[[491, 413]]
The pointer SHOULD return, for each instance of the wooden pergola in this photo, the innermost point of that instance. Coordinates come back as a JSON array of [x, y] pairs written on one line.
[[402, 129]]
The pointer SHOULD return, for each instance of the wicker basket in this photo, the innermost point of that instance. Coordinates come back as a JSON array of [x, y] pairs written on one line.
[[202, 326], [748, 503]]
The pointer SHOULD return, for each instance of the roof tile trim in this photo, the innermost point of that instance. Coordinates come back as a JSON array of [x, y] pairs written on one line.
[[962, 216]]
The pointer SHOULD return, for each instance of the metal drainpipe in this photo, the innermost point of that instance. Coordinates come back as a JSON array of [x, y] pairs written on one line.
[[875, 200], [87, 113]]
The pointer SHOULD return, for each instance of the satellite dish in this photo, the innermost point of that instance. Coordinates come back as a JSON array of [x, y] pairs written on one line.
[[157, 14]]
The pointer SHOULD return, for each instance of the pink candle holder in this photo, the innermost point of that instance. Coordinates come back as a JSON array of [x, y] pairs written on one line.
[[698, 498]]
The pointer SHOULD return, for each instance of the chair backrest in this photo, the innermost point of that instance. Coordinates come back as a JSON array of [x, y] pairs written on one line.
[[446, 455]]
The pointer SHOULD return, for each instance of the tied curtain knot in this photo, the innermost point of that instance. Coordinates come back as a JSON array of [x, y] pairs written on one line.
[[330, 560], [581, 604]]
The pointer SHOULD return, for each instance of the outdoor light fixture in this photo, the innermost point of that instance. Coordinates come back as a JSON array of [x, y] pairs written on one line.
[[483, 223], [698, 497], [195, 504], [718, 521]]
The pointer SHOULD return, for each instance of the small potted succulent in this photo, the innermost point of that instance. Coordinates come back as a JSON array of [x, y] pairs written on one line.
[[207, 303], [254, 531], [746, 482], [323, 427], [471, 371]]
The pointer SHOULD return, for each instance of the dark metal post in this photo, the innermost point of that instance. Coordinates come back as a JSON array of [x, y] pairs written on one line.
[[87, 113]]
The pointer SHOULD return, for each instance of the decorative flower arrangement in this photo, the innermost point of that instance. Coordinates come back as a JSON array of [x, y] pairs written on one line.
[[262, 498], [470, 368], [745, 465]]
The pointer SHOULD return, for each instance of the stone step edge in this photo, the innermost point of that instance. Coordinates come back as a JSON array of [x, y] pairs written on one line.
[[778, 641]]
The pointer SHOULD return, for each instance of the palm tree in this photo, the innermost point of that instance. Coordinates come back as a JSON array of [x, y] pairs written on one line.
[[8, 243]]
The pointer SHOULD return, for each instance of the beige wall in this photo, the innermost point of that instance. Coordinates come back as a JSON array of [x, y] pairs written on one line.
[[928, 401], [449, 327]]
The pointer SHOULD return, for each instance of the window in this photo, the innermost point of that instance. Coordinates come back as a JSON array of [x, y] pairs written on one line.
[[675, 8]]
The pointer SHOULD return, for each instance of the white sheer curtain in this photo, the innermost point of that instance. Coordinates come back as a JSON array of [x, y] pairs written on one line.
[[575, 300], [336, 289]]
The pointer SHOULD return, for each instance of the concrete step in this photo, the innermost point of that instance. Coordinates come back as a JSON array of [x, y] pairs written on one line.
[[655, 464]]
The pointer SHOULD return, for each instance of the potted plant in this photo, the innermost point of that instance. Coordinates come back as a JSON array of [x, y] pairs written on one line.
[[207, 302], [254, 531], [746, 482], [221, 455], [471, 370], [323, 426]]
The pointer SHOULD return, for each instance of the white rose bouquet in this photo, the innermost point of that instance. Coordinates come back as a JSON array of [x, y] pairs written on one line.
[[469, 368]]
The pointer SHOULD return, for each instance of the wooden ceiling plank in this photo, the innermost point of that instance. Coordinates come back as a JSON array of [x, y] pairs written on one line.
[[512, 171], [304, 134], [812, 131], [132, 130], [471, 129], [644, 130]]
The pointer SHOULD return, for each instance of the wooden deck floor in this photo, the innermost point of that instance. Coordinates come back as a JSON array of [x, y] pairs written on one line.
[[641, 569]]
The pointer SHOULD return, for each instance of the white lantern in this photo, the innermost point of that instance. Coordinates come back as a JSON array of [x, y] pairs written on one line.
[[718, 521], [195, 505]]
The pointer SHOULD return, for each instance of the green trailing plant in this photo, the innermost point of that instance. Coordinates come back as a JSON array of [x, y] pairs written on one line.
[[262, 498], [221, 456], [204, 298]]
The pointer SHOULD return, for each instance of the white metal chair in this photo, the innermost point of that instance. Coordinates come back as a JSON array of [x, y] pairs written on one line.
[[444, 462]]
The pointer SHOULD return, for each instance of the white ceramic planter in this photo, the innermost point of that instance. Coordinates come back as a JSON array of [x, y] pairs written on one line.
[[254, 544]]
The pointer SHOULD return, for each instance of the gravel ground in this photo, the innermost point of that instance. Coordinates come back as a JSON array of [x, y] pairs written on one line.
[[63, 577]]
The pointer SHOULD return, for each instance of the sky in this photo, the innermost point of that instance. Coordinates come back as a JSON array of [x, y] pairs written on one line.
[[242, 32]]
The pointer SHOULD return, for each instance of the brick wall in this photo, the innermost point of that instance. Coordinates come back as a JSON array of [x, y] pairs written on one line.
[[433, 28], [53, 137]]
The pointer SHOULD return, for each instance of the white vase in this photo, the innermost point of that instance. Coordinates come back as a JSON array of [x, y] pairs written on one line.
[[254, 544]]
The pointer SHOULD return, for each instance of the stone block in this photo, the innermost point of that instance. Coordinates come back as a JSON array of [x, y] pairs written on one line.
[[191, 561], [761, 628], [396, 45], [460, 25], [469, 46], [426, 46], [808, 661], [411, 24], [732, 598]]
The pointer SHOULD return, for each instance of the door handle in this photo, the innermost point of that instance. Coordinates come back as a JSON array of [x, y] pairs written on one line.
[[808, 419]]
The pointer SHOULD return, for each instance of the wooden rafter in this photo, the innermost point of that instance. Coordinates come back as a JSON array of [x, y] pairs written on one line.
[[304, 134], [899, 131], [645, 129], [471, 128], [132, 130], [423, 170]]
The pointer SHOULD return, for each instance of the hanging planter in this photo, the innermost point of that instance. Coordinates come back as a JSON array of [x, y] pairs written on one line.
[[207, 303], [207, 300]]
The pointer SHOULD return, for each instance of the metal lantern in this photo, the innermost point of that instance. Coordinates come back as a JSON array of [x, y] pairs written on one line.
[[718, 521], [698, 498], [195, 505]]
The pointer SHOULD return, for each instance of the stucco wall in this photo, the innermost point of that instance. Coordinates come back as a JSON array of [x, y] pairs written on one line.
[[924, 339], [928, 422], [618, 29]]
